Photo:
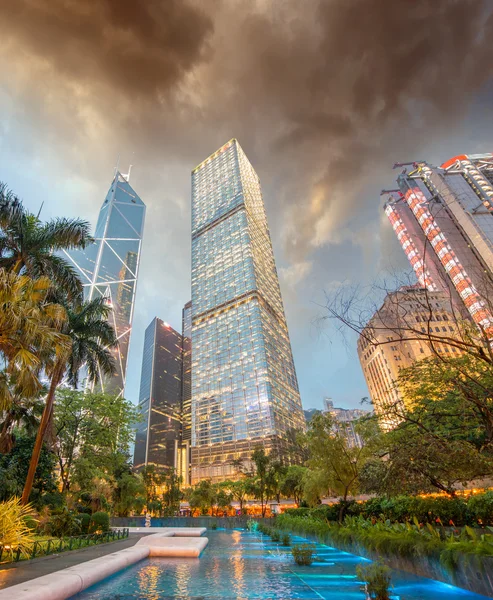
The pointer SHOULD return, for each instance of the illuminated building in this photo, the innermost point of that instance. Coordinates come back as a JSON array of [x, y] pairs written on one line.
[[158, 433], [408, 327], [183, 449], [244, 386], [109, 267], [344, 422], [443, 218]]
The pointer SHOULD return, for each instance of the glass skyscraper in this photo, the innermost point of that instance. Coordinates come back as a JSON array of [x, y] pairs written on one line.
[[109, 267], [158, 434], [244, 386]]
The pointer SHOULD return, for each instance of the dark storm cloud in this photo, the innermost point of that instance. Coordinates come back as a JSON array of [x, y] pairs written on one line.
[[319, 93], [139, 48]]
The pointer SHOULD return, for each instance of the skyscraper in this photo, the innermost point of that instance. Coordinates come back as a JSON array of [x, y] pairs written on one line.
[[158, 434], [412, 324], [244, 386], [183, 450], [443, 218], [109, 267]]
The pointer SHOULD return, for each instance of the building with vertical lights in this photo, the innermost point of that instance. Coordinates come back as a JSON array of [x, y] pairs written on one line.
[[443, 218], [109, 267], [409, 326], [160, 400], [184, 446], [244, 386]]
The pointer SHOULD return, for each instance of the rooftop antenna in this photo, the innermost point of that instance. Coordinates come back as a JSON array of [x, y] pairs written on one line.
[[117, 165], [126, 176]]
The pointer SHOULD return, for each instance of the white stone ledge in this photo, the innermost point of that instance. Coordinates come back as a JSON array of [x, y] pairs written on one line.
[[68, 582]]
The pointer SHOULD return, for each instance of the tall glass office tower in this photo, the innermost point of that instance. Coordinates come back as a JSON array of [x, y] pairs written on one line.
[[158, 434], [244, 386], [110, 266]]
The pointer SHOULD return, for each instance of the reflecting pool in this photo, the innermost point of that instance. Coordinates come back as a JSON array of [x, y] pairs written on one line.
[[243, 565]]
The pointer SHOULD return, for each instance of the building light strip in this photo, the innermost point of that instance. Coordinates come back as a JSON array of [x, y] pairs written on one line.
[[460, 279]]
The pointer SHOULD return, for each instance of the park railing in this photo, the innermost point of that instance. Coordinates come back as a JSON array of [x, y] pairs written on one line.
[[57, 545]]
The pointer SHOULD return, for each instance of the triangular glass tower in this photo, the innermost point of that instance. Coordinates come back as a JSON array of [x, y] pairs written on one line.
[[109, 267]]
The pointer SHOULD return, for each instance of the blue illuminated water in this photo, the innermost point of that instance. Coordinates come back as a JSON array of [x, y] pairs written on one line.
[[242, 565]]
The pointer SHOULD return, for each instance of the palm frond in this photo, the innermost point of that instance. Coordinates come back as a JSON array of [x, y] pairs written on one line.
[[65, 234], [11, 208]]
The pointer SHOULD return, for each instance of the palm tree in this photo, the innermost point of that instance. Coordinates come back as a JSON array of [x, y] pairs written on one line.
[[29, 331], [28, 246], [24, 413], [91, 338]]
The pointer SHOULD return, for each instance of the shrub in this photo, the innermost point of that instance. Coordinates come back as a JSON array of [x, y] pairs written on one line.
[[100, 522], [15, 533], [85, 520], [480, 508], [285, 539], [52, 499], [214, 525], [64, 522], [303, 553], [275, 535], [377, 579]]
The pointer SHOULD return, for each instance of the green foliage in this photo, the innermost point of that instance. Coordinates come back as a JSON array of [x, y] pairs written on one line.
[[13, 471], [480, 508], [285, 539], [16, 527], [85, 520], [303, 554], [100, 522], [93, 432], [401, 539], [275, 535], [334, 465], [377, 578], [64, 522], [214, 525]]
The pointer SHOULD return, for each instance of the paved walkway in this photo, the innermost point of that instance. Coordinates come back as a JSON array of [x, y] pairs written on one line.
[[13, 573]]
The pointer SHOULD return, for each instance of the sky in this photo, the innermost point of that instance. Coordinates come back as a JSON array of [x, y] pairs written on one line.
[[324, 97]]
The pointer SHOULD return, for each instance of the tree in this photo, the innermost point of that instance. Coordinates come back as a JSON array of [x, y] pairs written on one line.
[[153, 478], [23, 414], [334, 465], [275, 479], [28, 246], [202, 496], [172, 493], [292, 483], [221, 498], [29, 333], [444, 437], [91, 337], [128, 494], [239, 490], [261, 461], [14, 466], [93, 426]]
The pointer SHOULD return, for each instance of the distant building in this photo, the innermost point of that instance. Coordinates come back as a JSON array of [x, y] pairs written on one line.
[[344, 421], [310, 413], [443, 218], [158, 435], [387, 345], [244, 386], [109, 267]]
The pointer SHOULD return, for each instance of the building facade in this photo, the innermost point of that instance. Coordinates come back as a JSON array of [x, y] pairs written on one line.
[[109, 267], [413, 323], [443, 218], [244, 386], [345, 420], [158, 434], [184, 450]]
